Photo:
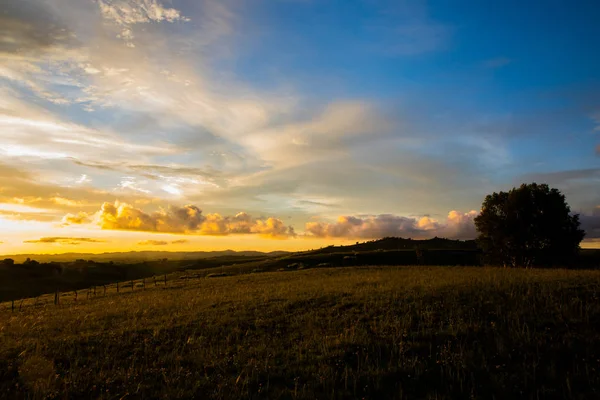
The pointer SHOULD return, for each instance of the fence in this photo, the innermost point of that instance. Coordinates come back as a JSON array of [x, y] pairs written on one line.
[[74, 296]]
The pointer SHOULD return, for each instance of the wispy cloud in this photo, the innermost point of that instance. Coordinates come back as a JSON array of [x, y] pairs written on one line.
[[161, 242], [128, 13], [65, 240], [153, 243]]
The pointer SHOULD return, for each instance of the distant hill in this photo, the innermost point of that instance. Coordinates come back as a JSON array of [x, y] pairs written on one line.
[[138, 256], [387, 243], [397, 243]]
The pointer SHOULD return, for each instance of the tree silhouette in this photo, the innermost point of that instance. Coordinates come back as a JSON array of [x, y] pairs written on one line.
[[528, 226]]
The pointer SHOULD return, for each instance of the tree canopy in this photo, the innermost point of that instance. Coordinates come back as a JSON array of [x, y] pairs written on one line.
[[528, 226]]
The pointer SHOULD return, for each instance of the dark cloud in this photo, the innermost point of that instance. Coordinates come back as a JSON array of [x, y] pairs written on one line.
[[591, 224], [29, 26], [580, 186], [153, 243], [151, 171], [161, 242], [562, 176], [317, 203], [65, 240]]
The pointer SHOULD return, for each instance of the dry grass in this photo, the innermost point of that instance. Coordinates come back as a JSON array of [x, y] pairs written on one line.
[[388, 332]]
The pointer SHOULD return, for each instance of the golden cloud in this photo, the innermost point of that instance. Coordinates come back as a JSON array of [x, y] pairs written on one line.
[[188, 219], [76, 219], [121, 216]]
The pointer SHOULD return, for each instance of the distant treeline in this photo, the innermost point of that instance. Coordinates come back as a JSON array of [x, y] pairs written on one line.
[[32, 278]]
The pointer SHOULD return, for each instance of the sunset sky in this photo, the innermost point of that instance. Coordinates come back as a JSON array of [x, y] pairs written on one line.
[[287, 124]]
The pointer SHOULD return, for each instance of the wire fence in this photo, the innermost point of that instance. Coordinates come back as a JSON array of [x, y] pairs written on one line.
[[59, 297]]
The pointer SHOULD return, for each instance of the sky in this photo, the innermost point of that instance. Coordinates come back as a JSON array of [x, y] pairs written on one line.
[[287, 124]]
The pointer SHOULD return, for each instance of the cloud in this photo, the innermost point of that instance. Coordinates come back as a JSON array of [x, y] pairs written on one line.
[[332, 132], [19, 215], [591, 224], [460, 225], [28, 27], [121, 216], [153, 243], [65, 240], [127, 13], [457, 226], [76, 219], [177, 173], [161, 242], [317, 203], [273, 227], [188, 219]]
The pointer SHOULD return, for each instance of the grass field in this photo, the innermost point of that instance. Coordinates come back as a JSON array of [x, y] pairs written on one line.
[[376, 333]]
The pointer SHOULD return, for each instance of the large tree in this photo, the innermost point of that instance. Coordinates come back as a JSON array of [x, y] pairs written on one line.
[[528, 226]]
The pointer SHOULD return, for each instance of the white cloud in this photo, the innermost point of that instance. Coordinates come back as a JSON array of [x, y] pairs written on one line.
[[127, 13]]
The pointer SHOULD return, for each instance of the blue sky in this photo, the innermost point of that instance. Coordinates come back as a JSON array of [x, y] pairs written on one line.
[[300, 119]]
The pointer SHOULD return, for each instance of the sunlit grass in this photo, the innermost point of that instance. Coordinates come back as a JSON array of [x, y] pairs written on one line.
[[389, 332]]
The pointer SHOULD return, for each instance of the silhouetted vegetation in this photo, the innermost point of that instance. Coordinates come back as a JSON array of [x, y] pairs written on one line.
[[528, 226], [32, 279]]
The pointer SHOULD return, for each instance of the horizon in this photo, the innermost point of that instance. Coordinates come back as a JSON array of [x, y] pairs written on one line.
[[146, 125]]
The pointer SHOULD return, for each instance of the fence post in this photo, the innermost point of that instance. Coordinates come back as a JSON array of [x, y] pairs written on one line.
[[12, 306], [75, 294], [154, 280], [144, 283], [56, 297], [132, 286], [104, 289], [117, 287], [21, 305], [94, 291], [165, 280]]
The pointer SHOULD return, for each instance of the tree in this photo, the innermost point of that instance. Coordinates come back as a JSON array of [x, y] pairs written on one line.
[[30, 262], [528, 226], [8, 262]]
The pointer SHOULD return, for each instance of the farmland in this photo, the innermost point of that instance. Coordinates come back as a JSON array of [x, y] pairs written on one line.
[[355, 332]]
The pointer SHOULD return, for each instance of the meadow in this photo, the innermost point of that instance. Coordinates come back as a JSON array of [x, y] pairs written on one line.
[[411, 332]]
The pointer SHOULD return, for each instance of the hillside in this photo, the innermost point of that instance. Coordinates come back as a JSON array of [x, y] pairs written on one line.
[[374, 333]]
